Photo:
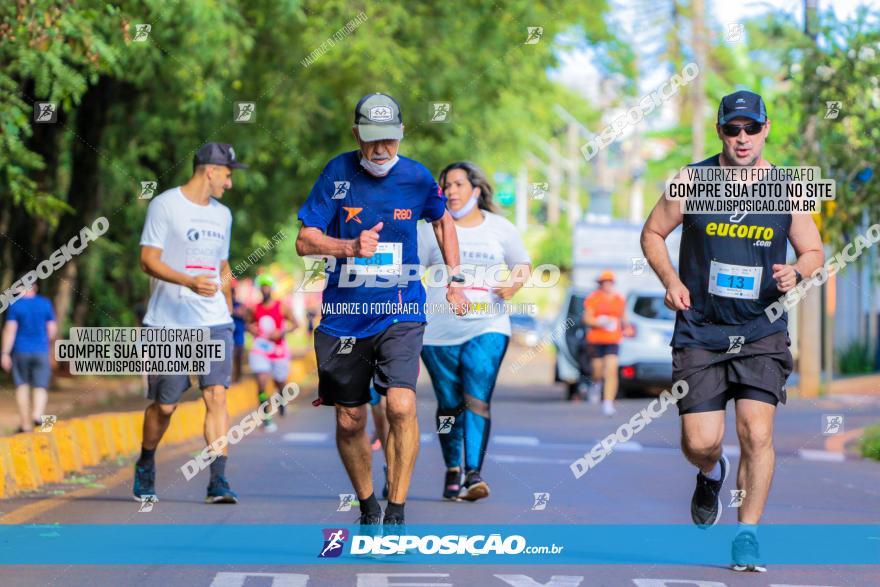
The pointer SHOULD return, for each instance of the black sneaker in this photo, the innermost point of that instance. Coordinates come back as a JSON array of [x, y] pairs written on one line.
[[474, 487], [745, 554], [393, 525], [452, 484], [145, 482], [706, 502], [219, 492]]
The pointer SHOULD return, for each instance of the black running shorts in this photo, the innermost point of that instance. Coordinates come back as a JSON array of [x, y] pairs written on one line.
[[347, 365], [760, 366]]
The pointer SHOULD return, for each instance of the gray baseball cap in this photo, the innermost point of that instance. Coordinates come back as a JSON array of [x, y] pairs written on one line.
[[377, 117]]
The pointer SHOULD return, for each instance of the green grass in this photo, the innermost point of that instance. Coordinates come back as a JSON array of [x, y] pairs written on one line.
[[870, 445]]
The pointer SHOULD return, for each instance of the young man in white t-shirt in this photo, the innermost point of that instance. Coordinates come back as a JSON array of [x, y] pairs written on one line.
[[463, 354], [185, 251]]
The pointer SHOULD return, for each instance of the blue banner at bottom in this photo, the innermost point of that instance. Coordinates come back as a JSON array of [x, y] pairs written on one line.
[[256, 544]]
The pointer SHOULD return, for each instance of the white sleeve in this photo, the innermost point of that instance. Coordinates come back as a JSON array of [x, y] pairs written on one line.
[[225, 255], [156, 225], [514, 248], [427, 244]]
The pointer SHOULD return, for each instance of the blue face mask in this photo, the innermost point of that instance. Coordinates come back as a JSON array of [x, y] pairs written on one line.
[[379, 170], [466, 209]]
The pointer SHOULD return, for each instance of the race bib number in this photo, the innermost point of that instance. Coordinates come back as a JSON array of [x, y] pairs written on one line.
[[385, 261], [735, 281], [264, 345], [482, 303], [608, 323]]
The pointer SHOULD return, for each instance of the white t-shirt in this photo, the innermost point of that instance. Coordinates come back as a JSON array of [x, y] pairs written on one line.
[[495, 242], [194, 239]]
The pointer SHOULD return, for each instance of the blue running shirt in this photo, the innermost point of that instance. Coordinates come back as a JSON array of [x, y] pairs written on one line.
[[347, 200]]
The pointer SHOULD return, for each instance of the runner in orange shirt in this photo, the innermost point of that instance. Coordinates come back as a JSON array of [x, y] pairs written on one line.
[[605, 317]]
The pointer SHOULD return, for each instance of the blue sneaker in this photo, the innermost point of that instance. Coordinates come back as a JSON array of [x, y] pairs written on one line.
[[219, 492], [145, 483], [746, 554]]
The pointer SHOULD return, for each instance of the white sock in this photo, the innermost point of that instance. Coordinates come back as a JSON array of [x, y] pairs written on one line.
[[715, 473], [608, 402]]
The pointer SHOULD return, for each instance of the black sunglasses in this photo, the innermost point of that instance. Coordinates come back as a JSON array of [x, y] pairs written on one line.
[[733, 130]]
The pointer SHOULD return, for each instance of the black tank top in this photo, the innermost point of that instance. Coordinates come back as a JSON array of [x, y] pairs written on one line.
[[726, 262]]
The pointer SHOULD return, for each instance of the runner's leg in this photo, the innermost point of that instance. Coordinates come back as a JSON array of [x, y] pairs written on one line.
[[443, 363], [157, 417], [481, 362], [701, 436], [754, 426], [609, 376], [23, 399], [403, 441], [216, 417], [354, 448]]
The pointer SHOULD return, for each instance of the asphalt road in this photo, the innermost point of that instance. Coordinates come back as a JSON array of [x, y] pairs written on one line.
[[294, 477]]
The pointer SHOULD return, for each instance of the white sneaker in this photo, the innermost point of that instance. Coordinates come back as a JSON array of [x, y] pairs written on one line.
[[608, 408], [269, 426], [595, 393]]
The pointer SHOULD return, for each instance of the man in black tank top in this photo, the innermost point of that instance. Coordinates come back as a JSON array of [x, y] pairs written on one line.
[[732, 267]]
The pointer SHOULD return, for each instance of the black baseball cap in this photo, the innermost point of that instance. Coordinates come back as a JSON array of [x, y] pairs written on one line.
[[743, 103], [217, 154], [377, 117]]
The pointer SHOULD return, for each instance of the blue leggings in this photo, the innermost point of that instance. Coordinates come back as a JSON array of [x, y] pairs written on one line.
[[464, 377]]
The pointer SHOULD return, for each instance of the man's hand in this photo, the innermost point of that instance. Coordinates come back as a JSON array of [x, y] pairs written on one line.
[[204, 285], [365, 244], [677, 296], [785, 277], [6, 362], [456, 297]]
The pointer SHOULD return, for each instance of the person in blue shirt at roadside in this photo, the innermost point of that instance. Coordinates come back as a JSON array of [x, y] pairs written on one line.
[[27, 336]]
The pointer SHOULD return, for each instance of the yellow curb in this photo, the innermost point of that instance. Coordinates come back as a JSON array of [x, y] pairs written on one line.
[[30, 460], [24, 463], [7, 479], [28, 512], [85, 442], [46, 456], [68, 452]]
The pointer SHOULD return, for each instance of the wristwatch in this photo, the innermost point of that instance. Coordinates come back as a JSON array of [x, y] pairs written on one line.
[[798, 277], [456, 279]]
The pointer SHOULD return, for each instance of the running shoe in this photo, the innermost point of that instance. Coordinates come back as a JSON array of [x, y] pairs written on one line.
[[452, 484], [474, 487], [269, 426], [145, 482], [608, 408], [746, 555], [219, 491], [394, 525], [706, 502], [385, 487]]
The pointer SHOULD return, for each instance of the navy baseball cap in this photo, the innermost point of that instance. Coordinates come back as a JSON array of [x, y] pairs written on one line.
[[743, 103], [217, 154], [377, 117]]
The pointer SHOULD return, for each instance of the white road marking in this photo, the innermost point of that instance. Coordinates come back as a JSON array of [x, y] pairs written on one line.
[[516, 440], [306, 437], [821, 455]]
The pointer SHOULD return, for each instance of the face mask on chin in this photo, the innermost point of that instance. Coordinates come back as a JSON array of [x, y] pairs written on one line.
[[377, 169], [466, 209]]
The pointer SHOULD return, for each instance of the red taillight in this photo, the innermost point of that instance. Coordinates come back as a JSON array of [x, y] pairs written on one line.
[[628, 372]]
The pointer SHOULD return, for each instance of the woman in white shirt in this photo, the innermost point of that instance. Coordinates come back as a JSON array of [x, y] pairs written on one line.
[[463, 354]]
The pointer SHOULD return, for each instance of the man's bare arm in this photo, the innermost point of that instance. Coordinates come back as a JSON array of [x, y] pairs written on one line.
[[807, 244], [313, 241], [664, 218], [152, 265], [447, 240]]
